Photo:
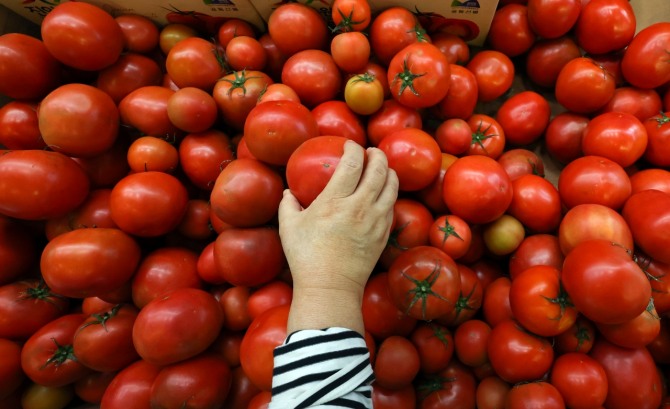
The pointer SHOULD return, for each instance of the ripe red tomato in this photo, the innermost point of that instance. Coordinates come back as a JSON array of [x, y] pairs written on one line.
[[488, 136], [272, 294], [414, 155], [419, 75], [383, 398], [245, 53], [510, 31], [204, 156], [491, 393], [469, 301], [381, 317], [536, 250], [335, 118], [563, 136], [642, 63], [524, 117], [424, 282], [534, 394], [477, 189], [453, 387], [19, 128], [578, 338], [605, 26], [642, 103], [351, 15], [435, 346], [237, 93], [593, 221], [194, 62], [145, 109], [67, 24], [580, 379], [397, 363], [495, 305], [618, 136], [192, 109], [131, 387], [470, 342], [392, 30], [24, 57], [391, 117], [313, 75], [536, 203], [658, 135], [648, 215], [232, 28], [520, 162], [296, 27], [450, 234], [130, 72], [452, 46], [177, 326], [351, 51], [553, 18], [494, 72], [594, 179], [635, 333], [461, 98], [583, 86], [140, 33], [89, 262], [547, 57]]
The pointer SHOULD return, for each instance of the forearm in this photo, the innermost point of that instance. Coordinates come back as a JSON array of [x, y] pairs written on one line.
[[318, 308]]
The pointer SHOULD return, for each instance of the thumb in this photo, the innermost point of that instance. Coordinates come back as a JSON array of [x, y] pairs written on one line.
[[288, 205]]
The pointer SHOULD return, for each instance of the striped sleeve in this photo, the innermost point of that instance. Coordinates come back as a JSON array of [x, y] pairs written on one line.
[[326, 369]]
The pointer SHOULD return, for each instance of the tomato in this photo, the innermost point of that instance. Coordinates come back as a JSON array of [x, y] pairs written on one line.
[[260, 400], [234, 303], [646, 213], [452, 46], [204, 156], [595, 29], [593, 221], [131, 387], [469, 301], [632, 378], [414, 155], [615, 129], [202, 381], [92, 387], [488, 136], [278, 92], [546, 58], [658, 134], [313, 75], [232, 28], [494, 72], [510, 31], [491, 393], [109, 331], [503, 235], [237, 93], [335, 118], [145, 109], [177, 326], [578, 338], [364, 94], [350, 15], [534, 394], [296, 27], [249, 256], [383, 398], [162, 270], [148, 204], [604, 282], [553, 18], [563, 136], [89, 261], [392, 30], [453, 387], [245, 53], [311, 166], [650, 71], [37, 396], [275, 58], [172, 33], [242, 390], [380, 315], [635, 333], [192, 109], [47, 358], [397, 363], [194, 62], [150, 153], [130, 72], [450, 234], [11, 373], [274, 130], [391, 117], [272, 294], [583, 86], [454, 136], [107, 169], [67, 24], [536, 250], [265, 333], [524, 117], [594, 179], [424, 282], [419, 75], [657, 272], [496, 304], [536, 203], [140, 33], [641, 103], [461, 98], [517, 355], [19, 127], [477, 189], [350, 51], [23, 57], [471, 339], [435, 346]]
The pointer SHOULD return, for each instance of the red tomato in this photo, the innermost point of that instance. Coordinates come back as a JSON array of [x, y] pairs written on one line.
[[563, 136], [311, 166], [604, 282], [265, 333], [47, 358], [461, 98], [92, 387], [510, 31], [350, 15], [65, 26], [642, 64], [494, 72], [594, 179], [163, 270], [517, 355], [192, 109], [605, 26], [658, 134], [380, 315], [296, 27], [392, 30], [105, 170], [477, 189], [578, 338], [397, 363], [272, 294], [148, 204], [202, 381], [150, 153], [583, 86], [234, 303], [488, 136], [19, 128], [524, 117], [618, 136], [414, 155], [313, 75], [534, 394], [593, 221], [632, 378], [110, 331], [580, 379], [535, 203], [383, 398], [391, 117], [177, 326], [419, 75], [237, 93], [536, 250], [635, 333], [274, 130], [452, 46], [249, 256], [145, 109], [130, 72], [89, 262], [195, 223], [431, 195], [131, 388], [553, 18], [24, 57], [453, 387], [242, 390], [454, 136], [641, 103], [336, 118], [350, 51], [648, 215], [435, 346], [232, 28], [245, 53], [471, 339], [450, 234], [140, 33], [194, 62], [520, 162], [547, 57], [491, 393], [496, 304], [469, 301], [204, 156]]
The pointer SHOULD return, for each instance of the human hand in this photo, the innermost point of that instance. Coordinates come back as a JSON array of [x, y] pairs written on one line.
[[335, 243]]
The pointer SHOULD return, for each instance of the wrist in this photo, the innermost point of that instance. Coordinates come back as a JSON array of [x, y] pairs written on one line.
[[319, 308]]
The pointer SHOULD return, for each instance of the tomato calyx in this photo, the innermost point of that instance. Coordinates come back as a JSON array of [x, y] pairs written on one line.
[[441, 334], [582, 335], [407, 78], [420, 33], [101, 319], [423, 289], [463, 303], [239, 82], [40, 292], [662, 119], [448, 230], [347, 24], [479, 136], [651, 309], [367, 78], [562, 299], [393, 238], [432, 384], [643, 261], [60, 355], [534, 168]]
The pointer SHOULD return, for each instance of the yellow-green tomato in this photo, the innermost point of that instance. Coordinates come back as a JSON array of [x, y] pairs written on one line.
[[44, 397], [504, 235], [364, 94]]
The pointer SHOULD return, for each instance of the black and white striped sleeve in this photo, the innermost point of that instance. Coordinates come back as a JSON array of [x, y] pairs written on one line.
[[326, 369]]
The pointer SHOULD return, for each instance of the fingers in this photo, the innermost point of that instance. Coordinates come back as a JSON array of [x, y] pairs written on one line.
[[347, 173], [288, 205], [374, 176], [389, 192]]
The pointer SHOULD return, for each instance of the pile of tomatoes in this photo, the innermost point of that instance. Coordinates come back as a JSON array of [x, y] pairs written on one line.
[[140, 263]]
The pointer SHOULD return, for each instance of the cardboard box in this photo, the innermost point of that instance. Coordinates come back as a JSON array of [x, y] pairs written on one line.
[[470, 19], [205, 14]]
